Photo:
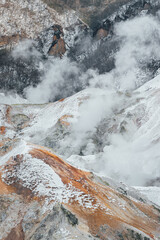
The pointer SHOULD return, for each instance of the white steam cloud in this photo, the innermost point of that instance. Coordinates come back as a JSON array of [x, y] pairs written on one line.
[[139, 46], [127, 157], [25, 50], [140, 42], [54, 80]]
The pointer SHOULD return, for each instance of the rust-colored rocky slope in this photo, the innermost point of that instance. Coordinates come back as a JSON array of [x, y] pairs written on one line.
[[43, 197]]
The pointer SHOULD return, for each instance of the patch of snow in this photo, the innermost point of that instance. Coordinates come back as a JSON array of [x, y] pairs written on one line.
[[37, 176], [152, 193], [82, 162], [10, 98], [20, 148], [14, 216], [51, 113], [42, 180]]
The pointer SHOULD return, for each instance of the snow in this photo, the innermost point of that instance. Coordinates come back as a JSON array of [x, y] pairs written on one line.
[[48, 116], [27, 16], [132, 157], [41, 179], [11, 98], [20, 148], [152, 193], [31, 17], [38, 176]]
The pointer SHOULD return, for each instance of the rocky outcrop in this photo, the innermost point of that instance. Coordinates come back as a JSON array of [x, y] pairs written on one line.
[[101, 55], [57, 47], [25, 18], [8, 42], [95, 13], [21, 20], [35, 182]]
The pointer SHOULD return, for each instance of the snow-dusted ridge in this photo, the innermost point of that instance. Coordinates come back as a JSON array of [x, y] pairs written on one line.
[[29, 18]]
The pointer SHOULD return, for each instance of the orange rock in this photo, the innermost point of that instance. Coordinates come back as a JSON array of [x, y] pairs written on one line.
[[8, 117], [11, 40], [2, 130], [101, 33], [100, 194], [63, 119], [16, 233], [58, 49], [104, 216], [4, 188], [61, 100]]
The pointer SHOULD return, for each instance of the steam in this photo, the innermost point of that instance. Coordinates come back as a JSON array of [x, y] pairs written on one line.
[[139, 49], [134, 61], [122, 156], [126, 158], [140, 41], [131, 161], [26, 50], [99, 105], [58, 77]]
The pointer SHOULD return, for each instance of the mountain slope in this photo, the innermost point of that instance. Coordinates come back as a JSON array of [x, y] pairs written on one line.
[[32, 176], [35, 178]]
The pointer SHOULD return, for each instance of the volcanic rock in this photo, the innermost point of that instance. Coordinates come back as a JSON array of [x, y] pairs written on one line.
[[35, 182], [42, 196]]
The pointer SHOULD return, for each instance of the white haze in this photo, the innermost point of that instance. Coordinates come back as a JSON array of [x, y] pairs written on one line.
[[11, 98], [25, 50], [140, 44], [137, 161], [53, 81], [100, 104], [123, 159]]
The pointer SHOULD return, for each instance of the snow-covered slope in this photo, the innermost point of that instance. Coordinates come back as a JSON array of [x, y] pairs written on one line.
[[43, 178], [116, 132], [152, 193]]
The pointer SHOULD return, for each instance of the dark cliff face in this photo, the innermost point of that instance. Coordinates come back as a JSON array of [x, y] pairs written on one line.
[[87, 9], [21, 66], [102, 35], [16, 74], [95, 11]]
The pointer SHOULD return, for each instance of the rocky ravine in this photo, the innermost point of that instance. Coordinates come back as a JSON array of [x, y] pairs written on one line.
[[54, 27]]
